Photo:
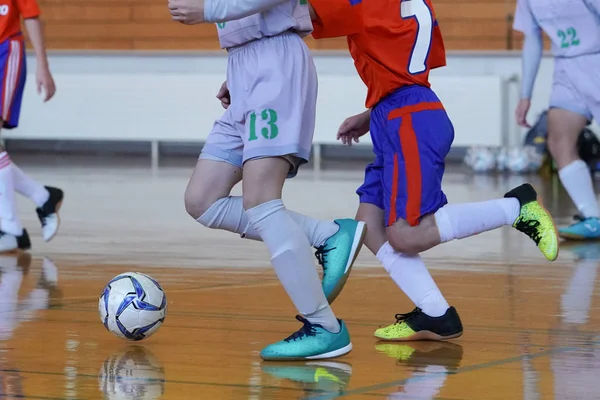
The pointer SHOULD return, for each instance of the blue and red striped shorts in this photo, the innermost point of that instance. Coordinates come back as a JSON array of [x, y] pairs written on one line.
[[411, 135]]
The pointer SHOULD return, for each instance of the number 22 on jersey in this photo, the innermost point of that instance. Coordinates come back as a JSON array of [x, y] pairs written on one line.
[[418, 10]]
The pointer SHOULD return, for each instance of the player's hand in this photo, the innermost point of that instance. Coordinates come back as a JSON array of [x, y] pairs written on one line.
[[45, 83], [189, 12], [521, 112], [354, 127], [224, 96]]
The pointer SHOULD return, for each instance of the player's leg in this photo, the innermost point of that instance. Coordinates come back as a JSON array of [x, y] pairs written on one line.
[[277, 139], [419, 217], [568, 115], [12, 69], [47, 199], [407, 270], [208, 201], [293, 264]]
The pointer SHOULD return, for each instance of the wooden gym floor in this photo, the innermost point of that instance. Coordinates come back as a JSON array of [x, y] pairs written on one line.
[[532, 328]]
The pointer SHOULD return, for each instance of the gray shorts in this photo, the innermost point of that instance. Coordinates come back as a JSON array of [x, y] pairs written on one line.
[[576, 85], [273, 86]]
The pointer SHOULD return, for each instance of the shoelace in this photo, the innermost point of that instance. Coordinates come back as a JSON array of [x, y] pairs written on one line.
[[321, 253], [42, 216], [307, 329], [403, 317], [530, 228]]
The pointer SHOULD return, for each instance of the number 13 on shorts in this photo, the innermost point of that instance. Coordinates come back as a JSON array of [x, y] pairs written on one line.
[[418, 10]]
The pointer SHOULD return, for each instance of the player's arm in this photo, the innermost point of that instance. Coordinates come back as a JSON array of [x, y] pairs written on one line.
[[335, 18], [533, 48], [30, 12], [593, 6], [354, 127]]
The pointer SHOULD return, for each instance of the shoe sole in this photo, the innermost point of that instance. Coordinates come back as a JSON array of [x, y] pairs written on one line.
[[332, 354], [58, 205], [556, 235], [357, 243], [423, 335], [579, 238]]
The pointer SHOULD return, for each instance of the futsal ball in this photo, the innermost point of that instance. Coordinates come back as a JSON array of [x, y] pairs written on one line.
[[132, 374], [480, 159], [502, 159], [521, 160], [132, 306]]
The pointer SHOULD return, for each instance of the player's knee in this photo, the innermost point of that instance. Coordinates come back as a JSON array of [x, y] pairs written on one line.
[[404, 240], [197, 202]]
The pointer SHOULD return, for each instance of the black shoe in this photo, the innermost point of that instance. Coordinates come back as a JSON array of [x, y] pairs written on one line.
[[416, 325], [48, 213], [10, 242]]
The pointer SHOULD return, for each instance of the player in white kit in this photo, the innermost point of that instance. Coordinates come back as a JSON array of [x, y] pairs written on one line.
[[265, 134], [574, 28]]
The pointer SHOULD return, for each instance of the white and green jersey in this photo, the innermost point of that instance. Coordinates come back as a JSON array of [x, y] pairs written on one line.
[[291, 15], [572, 25]]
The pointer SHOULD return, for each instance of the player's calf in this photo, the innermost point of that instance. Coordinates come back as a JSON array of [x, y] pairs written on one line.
[[412, 240]]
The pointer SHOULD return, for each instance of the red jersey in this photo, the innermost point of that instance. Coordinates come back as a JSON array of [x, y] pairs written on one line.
[[11, 12], [394, 43]]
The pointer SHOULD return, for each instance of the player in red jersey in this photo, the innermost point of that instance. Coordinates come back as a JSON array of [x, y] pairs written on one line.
[[13, 72], [394, 45]]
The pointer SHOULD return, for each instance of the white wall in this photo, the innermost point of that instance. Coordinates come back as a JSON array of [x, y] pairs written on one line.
[[170, 97]]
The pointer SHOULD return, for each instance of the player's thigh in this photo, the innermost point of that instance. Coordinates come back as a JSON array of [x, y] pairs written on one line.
[[13, 71], [263, 180], [413, 170], [219, 167], [569, 112], [281, 104]]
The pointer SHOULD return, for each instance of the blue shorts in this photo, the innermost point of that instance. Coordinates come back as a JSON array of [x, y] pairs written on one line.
[[13, 72], [411, 135]]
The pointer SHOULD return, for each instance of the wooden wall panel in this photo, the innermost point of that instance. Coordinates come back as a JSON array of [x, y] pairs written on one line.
[[146, 24]]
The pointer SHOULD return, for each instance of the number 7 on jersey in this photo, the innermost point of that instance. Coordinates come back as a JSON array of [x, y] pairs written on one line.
[[418, 10]]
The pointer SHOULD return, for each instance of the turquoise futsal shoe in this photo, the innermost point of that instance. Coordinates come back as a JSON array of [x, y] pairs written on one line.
[[311, 342], [338, 254], [582, 229]]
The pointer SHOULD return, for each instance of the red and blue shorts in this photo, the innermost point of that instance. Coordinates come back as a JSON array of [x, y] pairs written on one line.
[[411, 135]]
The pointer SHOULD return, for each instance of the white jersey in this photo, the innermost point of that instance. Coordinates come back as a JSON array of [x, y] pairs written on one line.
[[572, 25], [292, 15]]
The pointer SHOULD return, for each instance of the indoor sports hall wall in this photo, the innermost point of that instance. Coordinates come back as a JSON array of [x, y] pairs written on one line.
[[122, 81], [171, 98], [145, 25]]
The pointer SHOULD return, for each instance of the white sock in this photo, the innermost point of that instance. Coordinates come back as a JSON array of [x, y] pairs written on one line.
[[577, 181], [458, 221], [9, 221], [413, 278], [28, 187], [228, 214], [293, 262]]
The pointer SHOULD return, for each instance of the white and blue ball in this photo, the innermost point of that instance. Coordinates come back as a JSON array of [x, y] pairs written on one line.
[[481, 159], [522, 160], [133, 306]]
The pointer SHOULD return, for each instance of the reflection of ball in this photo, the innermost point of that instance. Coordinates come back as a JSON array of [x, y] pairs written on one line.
[[480, 159], [134, 373], [132, 306]]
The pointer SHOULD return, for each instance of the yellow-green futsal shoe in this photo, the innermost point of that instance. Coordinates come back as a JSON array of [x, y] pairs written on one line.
[[535, 221]]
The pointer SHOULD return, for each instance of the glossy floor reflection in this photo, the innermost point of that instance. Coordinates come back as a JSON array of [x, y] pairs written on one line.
[[532, 328]]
